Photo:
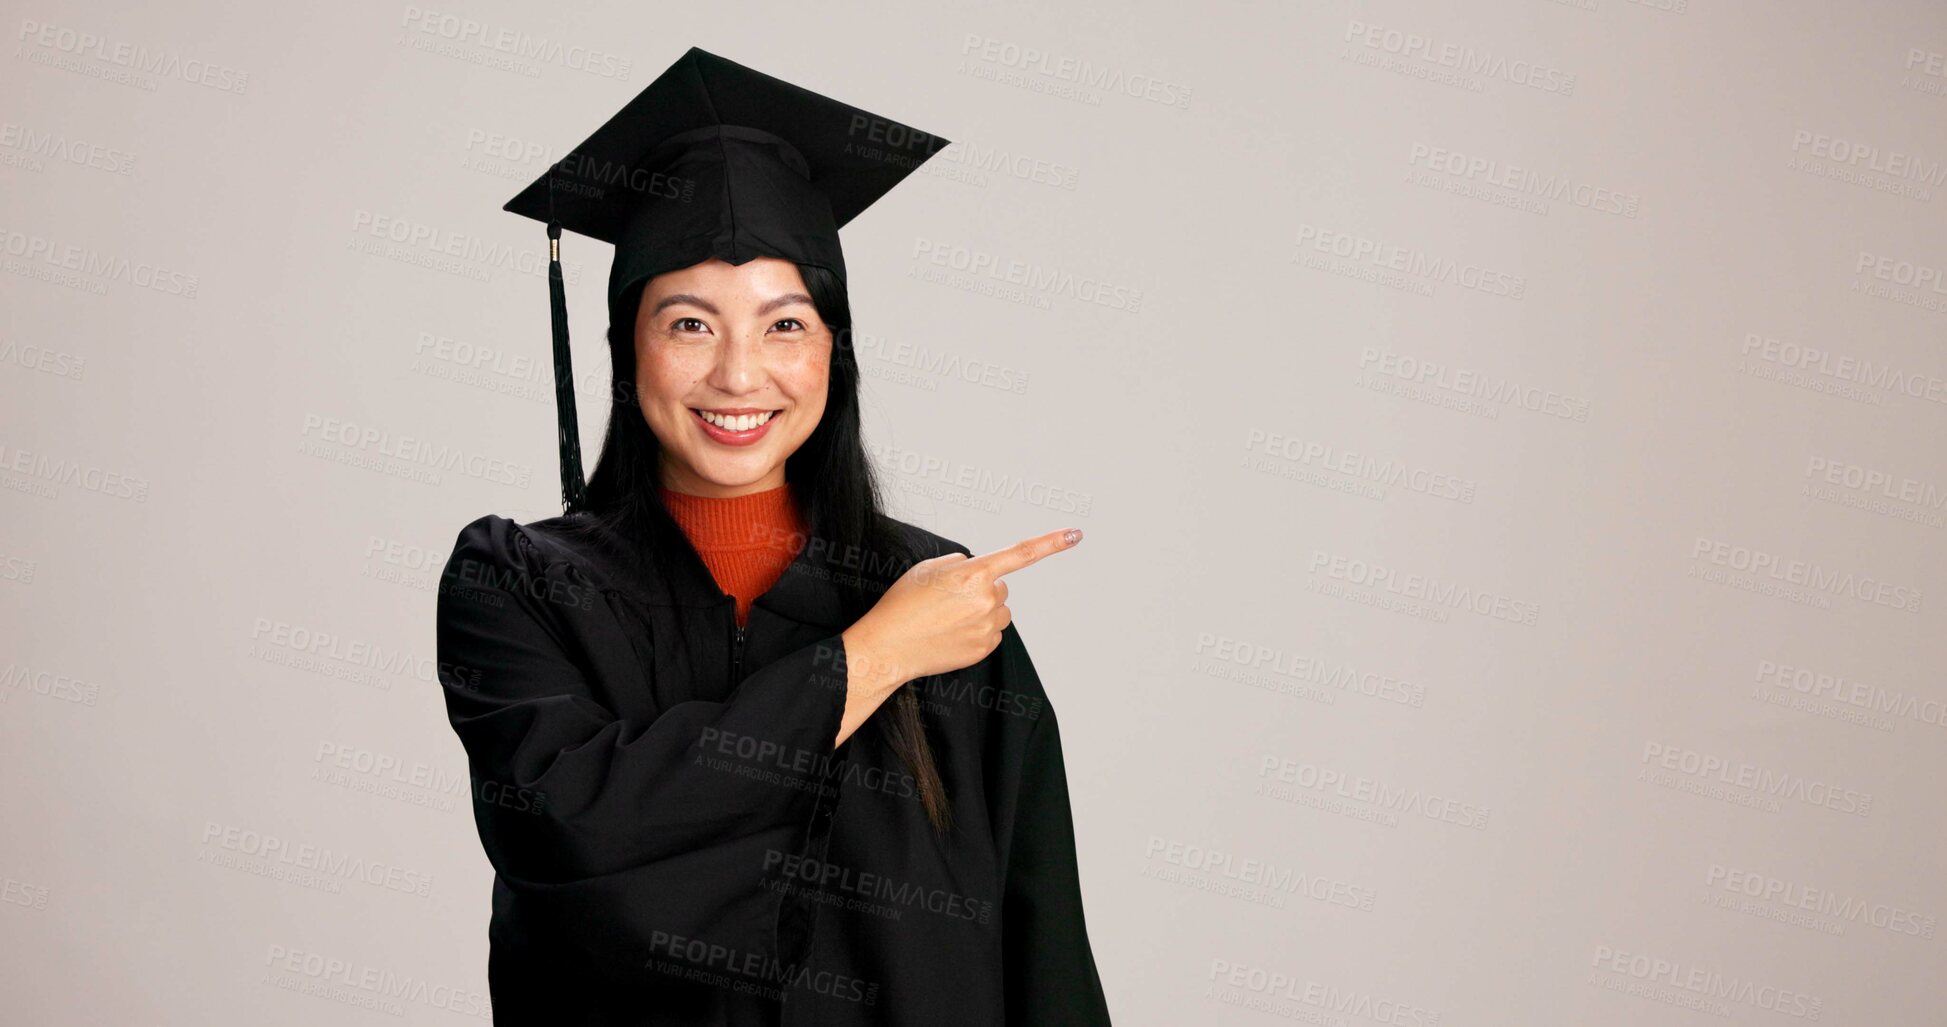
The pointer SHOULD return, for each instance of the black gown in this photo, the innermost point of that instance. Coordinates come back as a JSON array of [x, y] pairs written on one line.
[[675, 841]]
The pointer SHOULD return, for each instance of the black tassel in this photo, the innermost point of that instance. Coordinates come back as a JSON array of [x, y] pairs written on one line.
[[574, 492]]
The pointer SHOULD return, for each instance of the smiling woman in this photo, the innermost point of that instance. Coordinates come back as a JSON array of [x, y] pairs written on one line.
[[787, 759], [732, 368]]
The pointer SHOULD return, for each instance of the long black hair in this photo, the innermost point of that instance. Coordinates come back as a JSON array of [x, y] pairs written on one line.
[[837, 492]]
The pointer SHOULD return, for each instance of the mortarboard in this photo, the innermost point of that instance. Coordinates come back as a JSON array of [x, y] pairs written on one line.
[[712, 159]]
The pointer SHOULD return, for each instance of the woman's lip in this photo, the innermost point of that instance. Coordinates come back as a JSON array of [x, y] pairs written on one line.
[[734, 438]]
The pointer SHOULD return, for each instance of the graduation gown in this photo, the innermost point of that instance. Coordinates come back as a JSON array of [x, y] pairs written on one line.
[[674, 840]]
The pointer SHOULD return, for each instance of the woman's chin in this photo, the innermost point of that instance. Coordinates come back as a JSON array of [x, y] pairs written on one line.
[[732, 470]]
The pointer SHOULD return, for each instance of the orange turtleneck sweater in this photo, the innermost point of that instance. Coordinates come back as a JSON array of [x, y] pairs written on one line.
[[746, 541]]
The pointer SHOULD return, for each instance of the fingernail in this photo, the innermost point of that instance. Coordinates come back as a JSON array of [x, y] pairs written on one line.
[[1071, 536]]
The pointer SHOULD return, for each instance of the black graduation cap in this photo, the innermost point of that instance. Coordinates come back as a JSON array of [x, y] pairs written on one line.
[[712, 159]]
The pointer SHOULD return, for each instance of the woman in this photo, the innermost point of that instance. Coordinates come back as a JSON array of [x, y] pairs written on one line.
[[745, 749]]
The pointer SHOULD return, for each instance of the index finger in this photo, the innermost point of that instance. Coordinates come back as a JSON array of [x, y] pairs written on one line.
[[1027, 551]]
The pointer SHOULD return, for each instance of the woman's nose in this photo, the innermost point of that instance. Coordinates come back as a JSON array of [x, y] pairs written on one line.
[[738, 368]]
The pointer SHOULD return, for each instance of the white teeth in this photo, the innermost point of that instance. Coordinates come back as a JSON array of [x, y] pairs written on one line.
[[741, 422]]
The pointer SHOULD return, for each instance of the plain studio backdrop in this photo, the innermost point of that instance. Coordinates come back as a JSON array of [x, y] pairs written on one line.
[[1508, 437]]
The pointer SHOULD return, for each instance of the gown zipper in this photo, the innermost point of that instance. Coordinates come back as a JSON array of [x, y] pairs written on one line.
[[737, 655]]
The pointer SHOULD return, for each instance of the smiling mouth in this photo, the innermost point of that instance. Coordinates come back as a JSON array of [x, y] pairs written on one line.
[[740, 422]]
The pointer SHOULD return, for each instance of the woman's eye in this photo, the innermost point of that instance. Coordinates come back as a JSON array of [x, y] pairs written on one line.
[[795, 324], [684, 324]]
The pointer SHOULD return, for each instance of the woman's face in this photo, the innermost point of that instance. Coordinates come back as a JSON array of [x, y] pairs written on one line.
[[732, 363]]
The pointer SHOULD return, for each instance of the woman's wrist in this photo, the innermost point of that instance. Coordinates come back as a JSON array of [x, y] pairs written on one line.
[[869, 667]]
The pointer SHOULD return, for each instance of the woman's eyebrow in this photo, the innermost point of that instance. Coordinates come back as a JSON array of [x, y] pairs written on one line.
[[783, 301], [697, 301], [684, 297]]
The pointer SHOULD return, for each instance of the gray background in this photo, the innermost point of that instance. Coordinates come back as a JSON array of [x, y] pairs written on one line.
[[1507, 437]]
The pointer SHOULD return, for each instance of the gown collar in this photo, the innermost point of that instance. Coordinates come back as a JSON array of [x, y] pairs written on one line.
[[804, 593]]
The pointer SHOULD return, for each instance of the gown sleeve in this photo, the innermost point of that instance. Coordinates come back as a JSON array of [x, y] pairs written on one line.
[[634, 841], [1048, 966]]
